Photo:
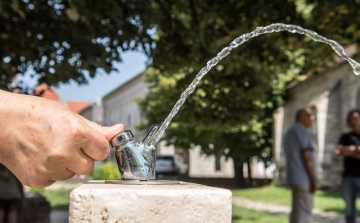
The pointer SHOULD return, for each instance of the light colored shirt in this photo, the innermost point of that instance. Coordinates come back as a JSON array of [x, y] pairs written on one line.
[[297, 139]]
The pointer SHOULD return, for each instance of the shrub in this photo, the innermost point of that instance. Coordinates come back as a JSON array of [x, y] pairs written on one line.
[[106, 171]]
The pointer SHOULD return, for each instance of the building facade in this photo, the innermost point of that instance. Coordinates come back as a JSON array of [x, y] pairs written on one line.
[[330, 96]]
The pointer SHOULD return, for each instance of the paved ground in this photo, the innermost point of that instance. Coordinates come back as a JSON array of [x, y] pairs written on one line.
[[319, 216], [59, 217]]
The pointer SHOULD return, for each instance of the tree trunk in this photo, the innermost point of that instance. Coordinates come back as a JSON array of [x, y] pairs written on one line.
[[250, 180], [239, 174]]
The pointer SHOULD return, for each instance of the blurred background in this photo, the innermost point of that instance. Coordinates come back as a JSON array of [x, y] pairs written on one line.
[[129, 61]]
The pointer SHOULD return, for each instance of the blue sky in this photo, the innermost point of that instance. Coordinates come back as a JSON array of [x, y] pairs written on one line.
[[133, 63]]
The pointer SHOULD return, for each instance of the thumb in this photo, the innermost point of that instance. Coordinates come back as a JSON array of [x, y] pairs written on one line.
[[107, 132], [110, 132]]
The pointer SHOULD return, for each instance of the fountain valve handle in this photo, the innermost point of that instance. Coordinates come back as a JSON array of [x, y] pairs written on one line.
[[120, 140]]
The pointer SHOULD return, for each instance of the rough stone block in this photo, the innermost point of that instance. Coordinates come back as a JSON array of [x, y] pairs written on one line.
[[184, 202]]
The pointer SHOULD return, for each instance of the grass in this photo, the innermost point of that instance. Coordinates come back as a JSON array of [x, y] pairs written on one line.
[[270, 194], [58, 199], [242, 215], [324, 200]]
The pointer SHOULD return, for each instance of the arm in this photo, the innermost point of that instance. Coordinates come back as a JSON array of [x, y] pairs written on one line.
[[309, 166], [42, 141], [351, 151], [338, 149]]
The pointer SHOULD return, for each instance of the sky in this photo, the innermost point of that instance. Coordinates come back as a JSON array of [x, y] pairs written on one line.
[[133, 63]]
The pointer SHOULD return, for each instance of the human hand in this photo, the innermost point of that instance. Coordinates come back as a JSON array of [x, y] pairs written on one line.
[[314, 187], [339, 150], [348, 150], [42, 141]]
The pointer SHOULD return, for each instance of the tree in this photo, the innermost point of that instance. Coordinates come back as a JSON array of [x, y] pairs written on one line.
[[65, 40], [230, 112]]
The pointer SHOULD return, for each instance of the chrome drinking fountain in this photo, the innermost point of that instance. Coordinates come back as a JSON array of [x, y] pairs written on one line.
[[136, 161]]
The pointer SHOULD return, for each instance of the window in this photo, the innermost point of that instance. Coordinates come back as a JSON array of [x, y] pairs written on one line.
[[217, 162]]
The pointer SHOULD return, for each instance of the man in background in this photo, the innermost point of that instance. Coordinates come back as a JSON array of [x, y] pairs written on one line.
[[301, 166]]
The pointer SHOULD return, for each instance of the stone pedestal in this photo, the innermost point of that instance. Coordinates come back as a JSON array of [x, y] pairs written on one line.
[[115, 203]]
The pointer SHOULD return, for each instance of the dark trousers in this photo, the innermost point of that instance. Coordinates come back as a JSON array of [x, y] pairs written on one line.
[[350, 188]]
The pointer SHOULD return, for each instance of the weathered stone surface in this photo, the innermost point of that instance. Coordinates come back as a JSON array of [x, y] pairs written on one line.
[[185, 202]]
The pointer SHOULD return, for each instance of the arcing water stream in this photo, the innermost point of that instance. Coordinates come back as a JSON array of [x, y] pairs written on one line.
[[276, 27]]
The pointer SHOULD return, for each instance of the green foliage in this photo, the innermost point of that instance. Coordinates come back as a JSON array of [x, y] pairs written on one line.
[[228, 114], [107, 171], [230, 111], [64, 40], [36, 190], [58, 199]]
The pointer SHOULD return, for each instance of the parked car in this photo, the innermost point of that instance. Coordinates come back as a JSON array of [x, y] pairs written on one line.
[[174, 164]]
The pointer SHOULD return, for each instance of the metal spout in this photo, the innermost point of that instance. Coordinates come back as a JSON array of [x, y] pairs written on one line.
[[136, 161], [149, 135]]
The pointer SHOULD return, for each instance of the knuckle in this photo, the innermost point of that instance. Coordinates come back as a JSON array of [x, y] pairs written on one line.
[[41, 170], [77, 133], [67, 176], [58, 157], [102, 148], [105, 152], [86, 168]]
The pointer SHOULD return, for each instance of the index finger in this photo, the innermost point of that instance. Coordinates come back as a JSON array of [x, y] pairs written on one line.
[[94, 144]]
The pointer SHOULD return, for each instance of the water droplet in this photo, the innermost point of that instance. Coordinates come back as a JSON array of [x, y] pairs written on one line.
[[357, 69], [224, 52], [279, 28], [213, 61], [238, 41]]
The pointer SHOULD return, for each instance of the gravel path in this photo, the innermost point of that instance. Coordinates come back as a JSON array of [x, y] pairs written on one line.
[[59, 217]]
